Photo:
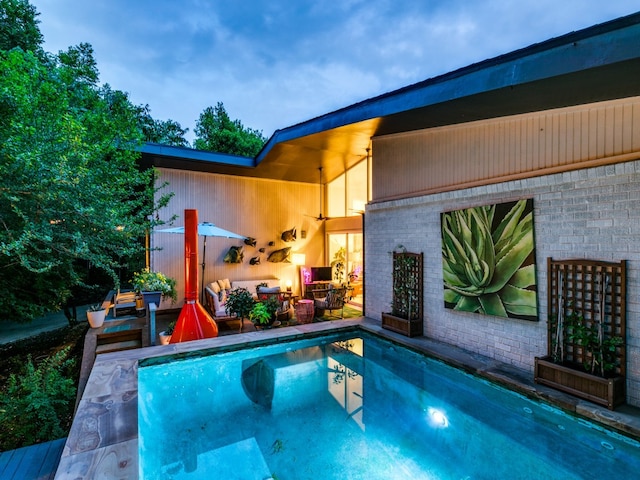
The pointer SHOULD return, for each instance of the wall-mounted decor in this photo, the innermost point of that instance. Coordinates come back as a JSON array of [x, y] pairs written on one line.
[[488, 260], [250, 241], [254, 260], [289, 235], [234, 255], [279, 256]]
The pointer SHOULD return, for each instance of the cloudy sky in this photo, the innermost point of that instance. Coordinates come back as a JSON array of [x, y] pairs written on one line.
[[275, 63]]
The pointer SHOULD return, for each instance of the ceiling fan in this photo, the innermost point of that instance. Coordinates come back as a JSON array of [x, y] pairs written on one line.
[[320, 216]]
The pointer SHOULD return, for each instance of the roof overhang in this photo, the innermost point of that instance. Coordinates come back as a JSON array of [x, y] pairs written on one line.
[[595, 64]]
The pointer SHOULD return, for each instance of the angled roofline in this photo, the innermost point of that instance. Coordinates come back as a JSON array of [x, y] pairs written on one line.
[[538, 61], [598, 63]]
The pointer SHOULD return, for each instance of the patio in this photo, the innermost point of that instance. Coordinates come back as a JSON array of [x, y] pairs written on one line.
[[103, 441]]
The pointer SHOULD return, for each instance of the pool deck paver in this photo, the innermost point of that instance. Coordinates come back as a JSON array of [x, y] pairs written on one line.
[[103, 441]]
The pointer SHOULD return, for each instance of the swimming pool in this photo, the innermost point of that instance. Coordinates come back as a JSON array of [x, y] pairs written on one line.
[[353, 406]]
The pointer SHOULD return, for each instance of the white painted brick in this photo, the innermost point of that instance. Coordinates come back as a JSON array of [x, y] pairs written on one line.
[[593, 213]]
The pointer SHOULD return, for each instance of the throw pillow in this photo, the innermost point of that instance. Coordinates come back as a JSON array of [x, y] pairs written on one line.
[[268, 289]]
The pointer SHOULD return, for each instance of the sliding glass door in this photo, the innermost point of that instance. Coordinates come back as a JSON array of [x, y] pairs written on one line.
[[346, 258]]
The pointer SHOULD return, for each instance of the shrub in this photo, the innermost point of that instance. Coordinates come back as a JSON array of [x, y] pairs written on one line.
[[34, 406]]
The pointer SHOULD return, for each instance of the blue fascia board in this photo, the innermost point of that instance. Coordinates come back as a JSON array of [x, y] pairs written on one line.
[[186, 153]]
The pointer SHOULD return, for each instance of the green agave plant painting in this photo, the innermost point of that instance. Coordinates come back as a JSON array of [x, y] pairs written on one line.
[[488, 260]]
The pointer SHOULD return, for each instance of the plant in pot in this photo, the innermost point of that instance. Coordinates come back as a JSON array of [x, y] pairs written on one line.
[[239, 302], [406, 306], [165, 335], [583, 360], [260, 315], [586, 351], [154, 286], [95, 315]]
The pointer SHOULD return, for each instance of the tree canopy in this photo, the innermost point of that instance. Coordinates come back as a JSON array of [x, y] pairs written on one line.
[[72, 197], [166, 132], [215, 131]]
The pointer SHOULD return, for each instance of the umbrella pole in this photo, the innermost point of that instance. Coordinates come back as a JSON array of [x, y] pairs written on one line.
[[204, 252]]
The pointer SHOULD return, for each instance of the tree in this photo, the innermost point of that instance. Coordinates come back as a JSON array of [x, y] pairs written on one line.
[[216, 132], [166, 132], [72, 197], [19, 26]]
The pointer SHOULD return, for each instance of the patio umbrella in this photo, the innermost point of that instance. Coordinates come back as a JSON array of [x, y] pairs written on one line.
[[206, 229]]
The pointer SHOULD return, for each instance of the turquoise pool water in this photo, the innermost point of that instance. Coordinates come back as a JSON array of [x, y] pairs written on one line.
[[345, 407]]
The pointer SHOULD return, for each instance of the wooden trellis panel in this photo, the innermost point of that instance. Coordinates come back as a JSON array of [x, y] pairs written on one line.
[[595, 289], [408, 284]]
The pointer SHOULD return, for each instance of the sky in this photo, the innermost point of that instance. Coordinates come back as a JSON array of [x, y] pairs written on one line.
[[276, 63]]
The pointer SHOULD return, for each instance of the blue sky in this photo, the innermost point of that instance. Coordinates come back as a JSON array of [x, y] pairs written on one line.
[[276, 63]]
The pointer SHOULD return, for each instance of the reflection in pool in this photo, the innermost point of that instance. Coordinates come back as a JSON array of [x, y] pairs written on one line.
[[345, 407]]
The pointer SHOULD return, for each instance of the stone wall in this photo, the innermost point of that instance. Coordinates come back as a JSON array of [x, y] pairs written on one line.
[[592, 213]]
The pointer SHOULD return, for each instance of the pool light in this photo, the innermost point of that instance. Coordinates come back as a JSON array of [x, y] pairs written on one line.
[[437, 418]]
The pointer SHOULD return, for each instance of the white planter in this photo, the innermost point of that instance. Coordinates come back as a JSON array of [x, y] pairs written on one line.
[[164, 338], [96, 319]]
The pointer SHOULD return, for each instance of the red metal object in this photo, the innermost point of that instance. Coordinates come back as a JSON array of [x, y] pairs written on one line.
[[194, 323]]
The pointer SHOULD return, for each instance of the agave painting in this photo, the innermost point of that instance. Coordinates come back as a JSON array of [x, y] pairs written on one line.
[[488, 260]]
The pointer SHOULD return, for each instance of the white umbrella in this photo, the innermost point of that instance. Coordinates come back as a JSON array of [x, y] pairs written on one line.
[[206, 229]]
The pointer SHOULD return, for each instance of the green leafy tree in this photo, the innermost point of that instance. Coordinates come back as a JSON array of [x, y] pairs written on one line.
[[19, 26], [165, 132], [216, 132], [72, 197]]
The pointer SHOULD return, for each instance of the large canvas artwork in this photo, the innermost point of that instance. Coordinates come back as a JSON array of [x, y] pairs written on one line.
[[488, 260]]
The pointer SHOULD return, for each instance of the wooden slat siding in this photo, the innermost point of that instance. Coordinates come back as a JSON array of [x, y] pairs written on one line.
[[249, 206], [36, 462], [522, 146]]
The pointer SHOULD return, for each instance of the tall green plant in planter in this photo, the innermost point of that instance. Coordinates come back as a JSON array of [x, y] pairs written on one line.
[[240, 303], [586, 353], [406, 314]]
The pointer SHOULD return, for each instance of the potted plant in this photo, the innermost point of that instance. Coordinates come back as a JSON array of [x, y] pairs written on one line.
[[165, 335], [586, 333], [239, 302], [583, 361], [154, 286], [406, 306], [95, 315], [260, 314]]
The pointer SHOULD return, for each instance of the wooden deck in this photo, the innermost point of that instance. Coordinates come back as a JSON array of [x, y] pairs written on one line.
[[37, 462]]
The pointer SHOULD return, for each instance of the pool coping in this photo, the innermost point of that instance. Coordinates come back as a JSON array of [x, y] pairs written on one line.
[[103, 441]]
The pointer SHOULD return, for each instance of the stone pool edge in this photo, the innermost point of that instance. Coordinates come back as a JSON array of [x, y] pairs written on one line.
[[103, 441]]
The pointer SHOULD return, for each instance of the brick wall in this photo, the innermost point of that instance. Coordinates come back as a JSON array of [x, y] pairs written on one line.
[[591, 213]]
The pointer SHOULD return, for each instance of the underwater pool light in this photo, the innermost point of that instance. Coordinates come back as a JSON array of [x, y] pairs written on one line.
[[437, 418]]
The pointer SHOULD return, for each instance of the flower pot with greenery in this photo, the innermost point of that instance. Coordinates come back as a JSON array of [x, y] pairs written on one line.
[[165, 335], [95, 315], [586, 353], [265, 312], [154, 286], [240, 303]]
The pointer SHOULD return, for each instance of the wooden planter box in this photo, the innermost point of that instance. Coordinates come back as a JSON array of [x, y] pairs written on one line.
[[410, 328], [609, 392]]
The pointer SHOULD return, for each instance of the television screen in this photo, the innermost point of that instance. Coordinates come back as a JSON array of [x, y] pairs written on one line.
[[320, 274]]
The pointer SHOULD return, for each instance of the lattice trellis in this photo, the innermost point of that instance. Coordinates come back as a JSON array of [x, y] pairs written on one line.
[[594, 290], [407, 285]]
